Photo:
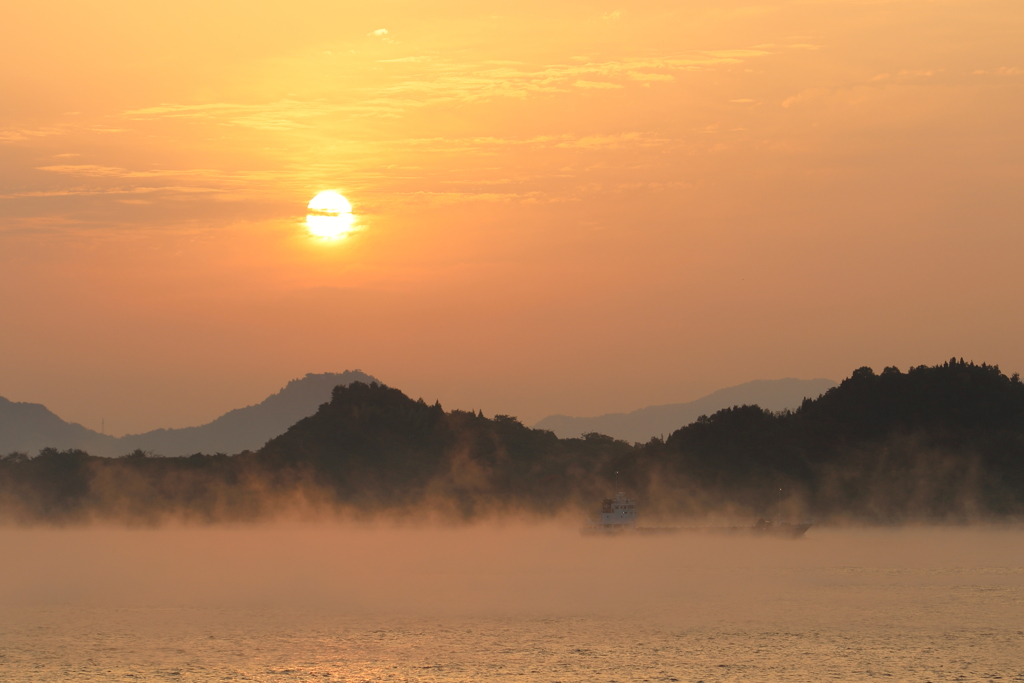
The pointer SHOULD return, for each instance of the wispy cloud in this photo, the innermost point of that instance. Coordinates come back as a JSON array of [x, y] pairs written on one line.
[[917, 73], [1002, 71], [280, 115], [804, 96], [489, 197], [417, 81], [399, 60], [385, 85], [97, 180], [93, 171], [649, 76], [622, 140], [738, 55], [97, 191], [382, 34], [598, 85], [22, 134]]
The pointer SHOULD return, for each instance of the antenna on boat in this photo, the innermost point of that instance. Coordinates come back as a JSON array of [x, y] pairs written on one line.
[[780, 505]]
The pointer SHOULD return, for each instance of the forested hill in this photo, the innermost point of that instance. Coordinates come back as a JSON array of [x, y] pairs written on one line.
[[376, 447], [935, 443], [939, 442]]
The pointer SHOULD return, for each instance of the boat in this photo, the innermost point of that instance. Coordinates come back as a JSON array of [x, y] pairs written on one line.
[[618, 517]]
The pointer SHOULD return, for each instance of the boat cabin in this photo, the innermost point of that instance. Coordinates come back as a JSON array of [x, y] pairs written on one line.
[[617, 514]]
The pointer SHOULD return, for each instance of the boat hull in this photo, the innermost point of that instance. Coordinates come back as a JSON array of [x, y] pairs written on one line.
[[783, 530]]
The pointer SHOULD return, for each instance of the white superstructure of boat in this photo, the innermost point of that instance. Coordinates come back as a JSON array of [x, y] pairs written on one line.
[[618, 515]]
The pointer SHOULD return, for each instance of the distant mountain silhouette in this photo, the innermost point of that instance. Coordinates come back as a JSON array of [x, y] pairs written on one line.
[[29, 427], [643, 424]]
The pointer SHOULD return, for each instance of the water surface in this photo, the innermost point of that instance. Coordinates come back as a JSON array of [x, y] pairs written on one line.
[[515, 602]]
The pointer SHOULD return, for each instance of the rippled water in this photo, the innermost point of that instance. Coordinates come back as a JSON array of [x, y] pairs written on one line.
[[516, 602]]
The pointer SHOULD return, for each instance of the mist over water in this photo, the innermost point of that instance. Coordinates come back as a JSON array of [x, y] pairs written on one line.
[[535, 601]]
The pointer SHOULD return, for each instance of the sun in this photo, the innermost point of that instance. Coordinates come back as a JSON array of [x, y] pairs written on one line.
[[329, 214]]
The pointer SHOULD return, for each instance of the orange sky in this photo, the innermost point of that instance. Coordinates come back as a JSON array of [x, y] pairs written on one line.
[[564, 207]]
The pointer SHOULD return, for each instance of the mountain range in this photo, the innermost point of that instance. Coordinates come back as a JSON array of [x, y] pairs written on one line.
[[29, 427], [641, 425], [940, 443]]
